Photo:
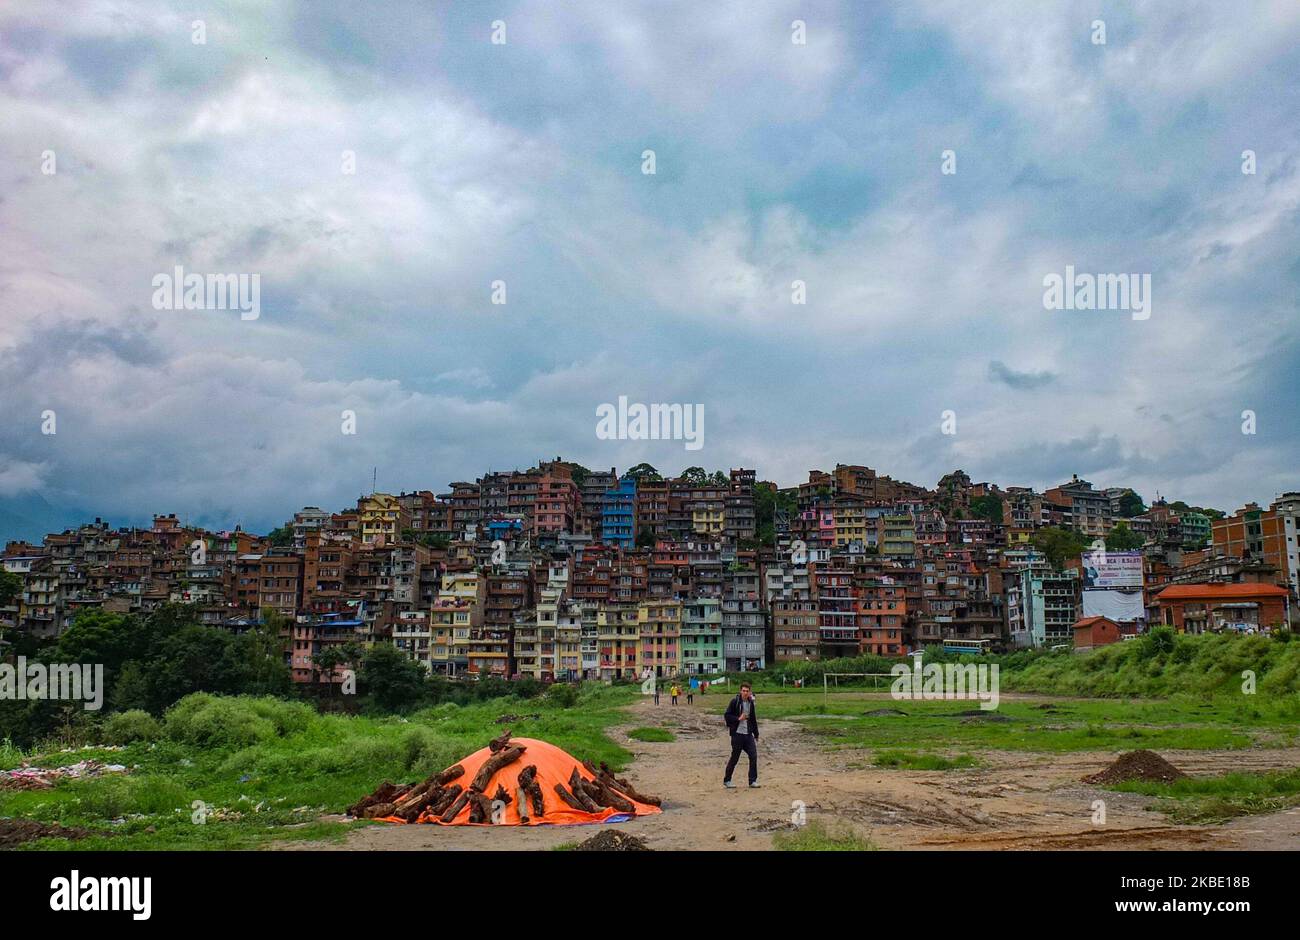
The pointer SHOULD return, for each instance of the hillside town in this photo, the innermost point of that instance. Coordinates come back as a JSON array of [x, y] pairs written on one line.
[[561, 573]]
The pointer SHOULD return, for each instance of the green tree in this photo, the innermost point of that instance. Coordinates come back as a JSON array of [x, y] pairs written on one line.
[[767, 502], [195, 659], [393, 682], [645, 539], [1122, 539], [643, 471], [11, 585], [281, 537], [1130, 505], [103, 638], [987, 507], [1058, 544], [695, 476]]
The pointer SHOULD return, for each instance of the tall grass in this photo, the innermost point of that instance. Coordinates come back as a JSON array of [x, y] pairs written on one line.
[[1159, 664], [264, 769]]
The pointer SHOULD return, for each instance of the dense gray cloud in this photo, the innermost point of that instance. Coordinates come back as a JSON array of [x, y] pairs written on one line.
[[521, 163]]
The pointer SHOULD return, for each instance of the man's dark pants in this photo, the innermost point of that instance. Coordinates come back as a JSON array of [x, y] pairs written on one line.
[[747, 744]]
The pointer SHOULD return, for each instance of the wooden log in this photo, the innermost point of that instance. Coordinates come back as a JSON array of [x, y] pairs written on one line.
[[416, 796], [383, 794], [577, 788], [602, 794], [570, 799], [454, 772], [499, 743], [378, 810], [502, 794], [535, 798], [448, 797], [610, 797], [623, 788], [595, 793], [480, 807], [522, 795], [411, 812], [527, 783], [454, 809], [493, 764]]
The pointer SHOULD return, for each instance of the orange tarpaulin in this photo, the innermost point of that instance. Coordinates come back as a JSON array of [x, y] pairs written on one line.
[[554, 765]]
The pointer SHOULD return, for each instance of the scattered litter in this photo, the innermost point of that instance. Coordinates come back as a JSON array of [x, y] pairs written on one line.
[[612, 840], [510, 718], [27, 777], [1138, 765], [885, 713]]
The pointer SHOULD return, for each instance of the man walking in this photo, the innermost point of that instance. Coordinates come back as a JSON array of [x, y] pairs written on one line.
[[742, 719]]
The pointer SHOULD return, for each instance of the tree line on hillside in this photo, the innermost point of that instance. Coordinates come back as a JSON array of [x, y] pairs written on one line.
[[150, 661]]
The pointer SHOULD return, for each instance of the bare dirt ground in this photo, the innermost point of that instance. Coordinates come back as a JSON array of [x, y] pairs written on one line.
[[1017, 800]]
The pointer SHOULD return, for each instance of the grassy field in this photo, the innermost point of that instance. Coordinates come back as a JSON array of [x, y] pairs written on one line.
[[818, 837], [656, 735], [1215, 799], [266, 770], [1037, 724]]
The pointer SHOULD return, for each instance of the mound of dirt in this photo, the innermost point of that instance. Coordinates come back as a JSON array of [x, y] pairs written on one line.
[[18, 831], [979, 714], [1138, 765], [611, 840], [885, 713]]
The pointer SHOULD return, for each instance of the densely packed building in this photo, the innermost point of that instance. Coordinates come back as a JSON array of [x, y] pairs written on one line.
[[559, 572]]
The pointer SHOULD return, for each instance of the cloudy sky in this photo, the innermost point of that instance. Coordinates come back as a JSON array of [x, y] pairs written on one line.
[[522, 162]]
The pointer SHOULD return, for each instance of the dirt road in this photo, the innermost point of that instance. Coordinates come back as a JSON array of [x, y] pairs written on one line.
[[1017, 800]]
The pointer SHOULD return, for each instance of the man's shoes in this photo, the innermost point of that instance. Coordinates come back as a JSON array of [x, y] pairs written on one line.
[[754, 785], [728, 784]]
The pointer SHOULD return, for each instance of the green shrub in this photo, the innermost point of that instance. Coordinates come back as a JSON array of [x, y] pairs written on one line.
[[562, 695], [205, 720], [288, 717], [113, 797], [131, 726]]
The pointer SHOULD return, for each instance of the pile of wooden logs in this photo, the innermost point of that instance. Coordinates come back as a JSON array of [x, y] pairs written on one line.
[[440, 796], [605, 790], [407, 802]]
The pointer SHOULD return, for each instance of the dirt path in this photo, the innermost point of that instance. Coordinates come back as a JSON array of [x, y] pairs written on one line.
[[1018, 800]]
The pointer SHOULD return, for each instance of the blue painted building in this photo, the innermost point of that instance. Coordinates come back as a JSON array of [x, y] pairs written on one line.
[[618, 514]]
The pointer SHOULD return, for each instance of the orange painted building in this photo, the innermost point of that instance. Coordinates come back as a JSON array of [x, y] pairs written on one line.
[[1095, 631], [1210, 608]]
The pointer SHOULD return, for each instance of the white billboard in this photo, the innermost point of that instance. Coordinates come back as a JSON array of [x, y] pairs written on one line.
[[1103, 569]]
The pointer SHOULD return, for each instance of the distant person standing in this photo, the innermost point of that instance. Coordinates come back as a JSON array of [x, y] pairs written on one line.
[[742, 720], [690, 693], [676, 691]]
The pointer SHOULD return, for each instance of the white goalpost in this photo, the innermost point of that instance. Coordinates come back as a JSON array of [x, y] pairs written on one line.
[[827, 676]]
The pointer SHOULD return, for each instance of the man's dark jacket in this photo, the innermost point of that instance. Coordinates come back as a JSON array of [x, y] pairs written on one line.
[[732, 716]]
